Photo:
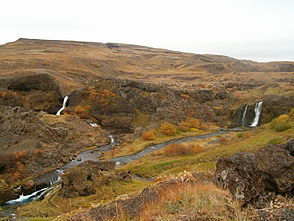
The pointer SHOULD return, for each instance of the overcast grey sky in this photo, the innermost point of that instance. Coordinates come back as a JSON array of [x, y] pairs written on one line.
[[261, 30]]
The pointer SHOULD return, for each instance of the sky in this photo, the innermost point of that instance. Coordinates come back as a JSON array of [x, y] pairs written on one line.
[[260, 30]]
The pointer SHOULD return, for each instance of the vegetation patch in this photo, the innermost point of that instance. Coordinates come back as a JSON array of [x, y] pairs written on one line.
[[181, 149], [280, 123]]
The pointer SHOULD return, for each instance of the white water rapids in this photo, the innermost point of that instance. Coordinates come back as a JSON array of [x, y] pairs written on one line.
[[63, 106]]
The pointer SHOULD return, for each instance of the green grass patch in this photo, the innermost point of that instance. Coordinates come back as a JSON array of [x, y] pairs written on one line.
[[153, 165]]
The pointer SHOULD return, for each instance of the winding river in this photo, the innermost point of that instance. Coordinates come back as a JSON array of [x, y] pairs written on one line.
[[52, 178]]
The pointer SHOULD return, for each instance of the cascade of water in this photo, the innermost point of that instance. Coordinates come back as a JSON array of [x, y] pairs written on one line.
[[63, 106], [257, 109], [111, 139], [244, 115], [23, 198]]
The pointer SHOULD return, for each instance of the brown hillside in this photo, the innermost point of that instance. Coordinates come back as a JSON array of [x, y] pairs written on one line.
[[73, 63]]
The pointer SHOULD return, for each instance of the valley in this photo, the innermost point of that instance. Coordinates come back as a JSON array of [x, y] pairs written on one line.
[[94, 131]]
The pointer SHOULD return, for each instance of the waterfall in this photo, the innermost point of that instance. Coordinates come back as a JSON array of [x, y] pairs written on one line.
[[257, 109], [63, 106], [111, 139], [244, 115], [23, 198]]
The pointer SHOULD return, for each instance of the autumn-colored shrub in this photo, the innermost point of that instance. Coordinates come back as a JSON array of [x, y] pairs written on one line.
[[280, 123], [181, 149], [168, 129], [148, 135], [102, 96], [189, 123], [38, 152], [92, 93], [19, 154]]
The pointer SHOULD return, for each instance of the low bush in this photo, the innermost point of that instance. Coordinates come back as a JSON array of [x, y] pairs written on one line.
[[182, 149], [280, 123], [168, 129], [189, 123], [148, 135]]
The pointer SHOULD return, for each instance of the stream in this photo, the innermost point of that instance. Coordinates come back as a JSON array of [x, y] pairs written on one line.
[[52, 178]]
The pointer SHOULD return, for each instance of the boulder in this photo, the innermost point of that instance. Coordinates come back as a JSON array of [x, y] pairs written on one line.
[[252, 176], [28, 187], [83, 179], [239, 175]]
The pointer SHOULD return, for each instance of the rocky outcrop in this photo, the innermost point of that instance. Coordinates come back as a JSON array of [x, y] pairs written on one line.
[[83, 179], [37, 92], [119, 103], [276, 105], [260, 176], [32, 143]]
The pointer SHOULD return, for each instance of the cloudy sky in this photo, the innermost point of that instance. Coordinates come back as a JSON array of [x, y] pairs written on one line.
[[261, 30]]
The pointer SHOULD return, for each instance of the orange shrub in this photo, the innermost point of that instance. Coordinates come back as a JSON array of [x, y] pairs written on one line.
[[181, 149], [148, 135], [19, 154], [92, 93], [189, 123], [38, 152], [168, 129]]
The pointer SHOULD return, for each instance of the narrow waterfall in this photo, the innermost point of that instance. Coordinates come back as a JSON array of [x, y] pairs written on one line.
[[111, 139], [244, 115], [63, 106], [257, 109]]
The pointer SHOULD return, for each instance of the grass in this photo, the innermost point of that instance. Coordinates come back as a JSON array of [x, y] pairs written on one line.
[[55, 205], [153, 165], [201, 201]]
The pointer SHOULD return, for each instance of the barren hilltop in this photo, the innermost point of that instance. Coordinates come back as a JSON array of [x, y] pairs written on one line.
[[93, 131]]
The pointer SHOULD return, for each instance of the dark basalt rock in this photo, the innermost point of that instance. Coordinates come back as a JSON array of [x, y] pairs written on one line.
[[83, 179], [250, 177], [9, 194], [128, 99], [274, 106], [42, 82]]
